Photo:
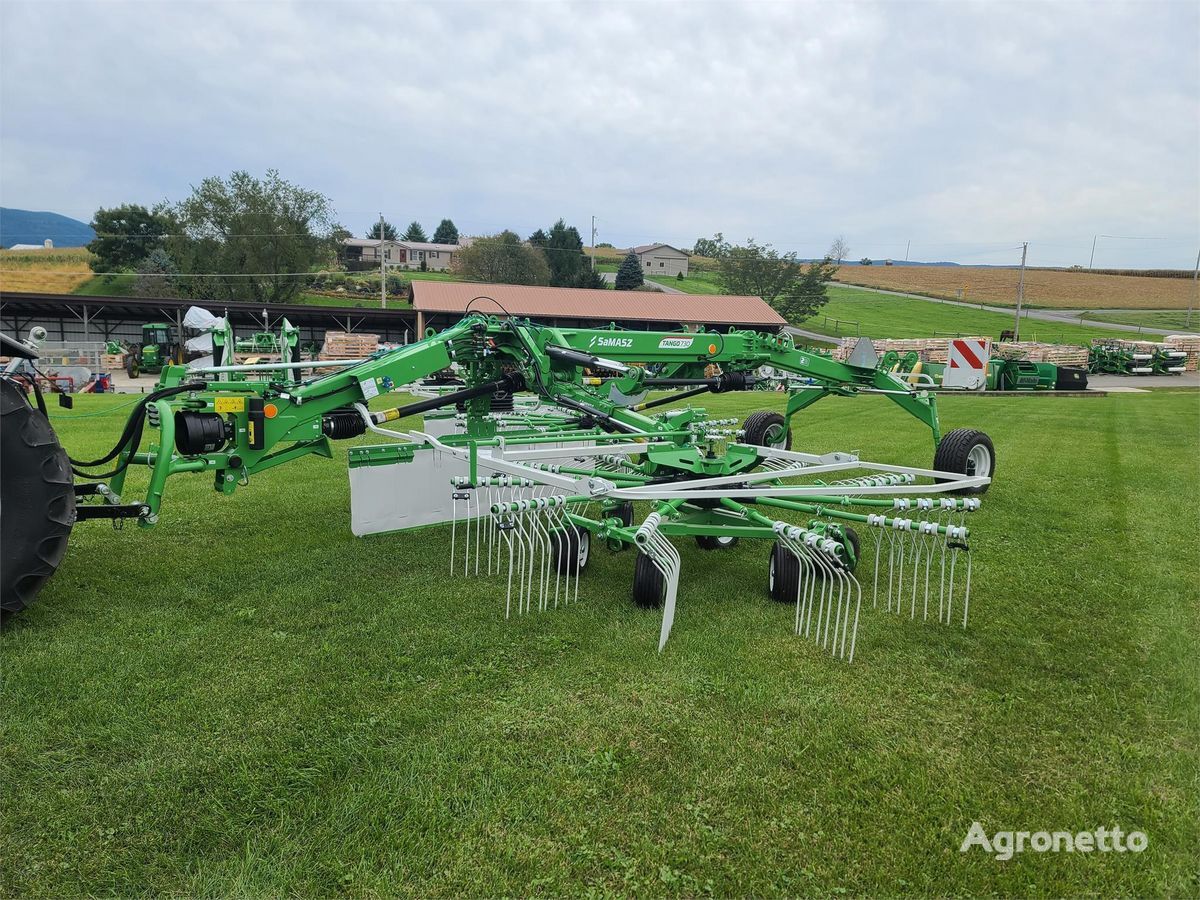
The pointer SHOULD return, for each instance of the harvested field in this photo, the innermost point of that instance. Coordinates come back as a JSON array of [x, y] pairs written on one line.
[[54, 271], [1043, 287]]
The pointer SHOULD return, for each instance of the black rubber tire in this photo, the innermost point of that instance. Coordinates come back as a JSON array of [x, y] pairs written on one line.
[[649, 586], [783, 575], [624, 512], [954, 454], [37, 500], [571, 547], [762, 426], [708, 542], [131, 365]]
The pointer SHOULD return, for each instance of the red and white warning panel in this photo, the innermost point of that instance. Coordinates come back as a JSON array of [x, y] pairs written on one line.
[[967, 363]]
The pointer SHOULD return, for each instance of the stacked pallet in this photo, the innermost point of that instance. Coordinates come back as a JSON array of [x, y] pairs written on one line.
[[1036, 351], [112, 362], [347, 345], [1189, 344]]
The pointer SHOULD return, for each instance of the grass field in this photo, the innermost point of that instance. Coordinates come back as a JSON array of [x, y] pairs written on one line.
[[248, 700], [50, 271], [853, 312], [697, 283], [1043, 287], [1160, 318], [107, 286]]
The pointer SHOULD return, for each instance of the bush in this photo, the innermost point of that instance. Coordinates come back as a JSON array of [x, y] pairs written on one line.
[[679, 276]]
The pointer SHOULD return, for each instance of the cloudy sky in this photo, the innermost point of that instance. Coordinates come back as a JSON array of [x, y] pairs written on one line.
[[963, 128]]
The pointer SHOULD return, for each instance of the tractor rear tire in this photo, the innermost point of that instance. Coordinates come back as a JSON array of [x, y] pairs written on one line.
[[767, 429], [37, 500], [131, 366], [711, 542], [649, 586], [783, 575], [968, 452]]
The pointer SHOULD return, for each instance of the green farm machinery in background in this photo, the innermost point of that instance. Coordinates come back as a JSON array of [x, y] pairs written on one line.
[[155, 352], [1003, 374], [1118, 357]]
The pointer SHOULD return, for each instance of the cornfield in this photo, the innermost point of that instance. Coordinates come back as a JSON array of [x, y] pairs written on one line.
[[52, 271], [1043, 287]]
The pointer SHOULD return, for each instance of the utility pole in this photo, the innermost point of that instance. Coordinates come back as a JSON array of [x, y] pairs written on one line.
[[593, 243], [1020, 292], [382, 269], [1092, 258], [1195, 290]]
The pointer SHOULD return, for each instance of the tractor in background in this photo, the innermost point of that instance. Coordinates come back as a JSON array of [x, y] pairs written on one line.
[[155, 352]]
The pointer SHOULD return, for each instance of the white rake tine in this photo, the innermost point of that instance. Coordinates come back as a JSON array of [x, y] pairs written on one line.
[[950, 593], [670, 572], [875, 583], [942, 588], [508, 597], [814, 580], [478, 528], [916, 565], [854, 632], [967, 596], [453, 529]]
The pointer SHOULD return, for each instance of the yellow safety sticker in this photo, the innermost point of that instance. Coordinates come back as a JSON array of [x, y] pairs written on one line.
[[230, 404]]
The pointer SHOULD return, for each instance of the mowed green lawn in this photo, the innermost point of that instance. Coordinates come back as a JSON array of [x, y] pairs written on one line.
[[877, 315], [249, 700]]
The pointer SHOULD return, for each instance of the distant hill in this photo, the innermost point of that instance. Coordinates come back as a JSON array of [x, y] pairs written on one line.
[[23, 226]]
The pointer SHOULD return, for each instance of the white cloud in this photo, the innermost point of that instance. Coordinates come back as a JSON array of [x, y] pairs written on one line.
[[955, 126]]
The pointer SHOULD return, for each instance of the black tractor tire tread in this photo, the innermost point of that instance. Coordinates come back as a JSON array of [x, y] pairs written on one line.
[[649, 586], [758, 423], [952, 452], [787, 575], [37, 500], [708, 542]]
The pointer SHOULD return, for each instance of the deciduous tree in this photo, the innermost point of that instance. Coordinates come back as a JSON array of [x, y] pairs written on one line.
[[708, 246], [502, 258], [125, 235], [838, 250], [258, 238]]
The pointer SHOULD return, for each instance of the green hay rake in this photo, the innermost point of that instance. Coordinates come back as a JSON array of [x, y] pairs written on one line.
[[529, 483]]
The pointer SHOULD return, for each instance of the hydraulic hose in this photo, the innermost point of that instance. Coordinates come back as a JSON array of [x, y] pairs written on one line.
[[131, 436], [512, 382]]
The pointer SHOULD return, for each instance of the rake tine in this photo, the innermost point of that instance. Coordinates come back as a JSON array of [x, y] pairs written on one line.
[[967, 595]]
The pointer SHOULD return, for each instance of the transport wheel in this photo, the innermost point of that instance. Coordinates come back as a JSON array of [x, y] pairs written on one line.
[[624, 512], [649, 586], [572, 548], [783, 575], [37, 500], [709, 542], [968, 452], [767, 429], [131, 366]]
